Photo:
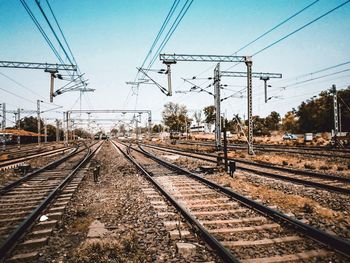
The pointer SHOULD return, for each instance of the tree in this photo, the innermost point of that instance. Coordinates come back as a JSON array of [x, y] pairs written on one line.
[[157, 128], [209, 113], [290, 122], [175, 117], [31, 124], [122, 129], [272, 121]]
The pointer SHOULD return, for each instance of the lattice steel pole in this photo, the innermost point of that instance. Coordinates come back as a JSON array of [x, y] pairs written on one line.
[[19, 128], [335, 108], [3, 122], [217, 107], [39, 122], [150, 125], [57, 130], [249, 62]]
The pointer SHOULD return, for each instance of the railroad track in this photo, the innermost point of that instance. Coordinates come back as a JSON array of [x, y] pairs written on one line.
[[284, 149], [237, 228], [14, 152], [319, 180], [14, 162], [23, 202]]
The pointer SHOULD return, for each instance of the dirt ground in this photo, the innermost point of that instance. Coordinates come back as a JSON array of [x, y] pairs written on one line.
[[129, 229]]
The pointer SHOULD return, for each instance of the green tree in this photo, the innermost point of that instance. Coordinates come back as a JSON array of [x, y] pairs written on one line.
[[175, 117], [209, 113], [31, 124], [157, 128], [272, 121], [290, 122]]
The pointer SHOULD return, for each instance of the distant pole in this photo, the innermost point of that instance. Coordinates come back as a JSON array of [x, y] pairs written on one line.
[[19, 128], [149, 125], [3, 123], [335, 109], [225, 149], [217, 107], [249, 63], [340, 118], [39, 122], [45, 131], [57, 130], [67, 127]]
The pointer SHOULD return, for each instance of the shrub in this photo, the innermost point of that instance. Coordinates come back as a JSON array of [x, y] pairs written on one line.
[[308, 208], [309, 166], [325, 167], [285, 163], [340, 168]]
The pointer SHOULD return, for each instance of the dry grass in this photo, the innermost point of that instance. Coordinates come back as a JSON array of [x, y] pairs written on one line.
[[109, 251]]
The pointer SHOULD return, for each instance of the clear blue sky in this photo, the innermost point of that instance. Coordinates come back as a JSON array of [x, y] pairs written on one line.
[[111, 38]]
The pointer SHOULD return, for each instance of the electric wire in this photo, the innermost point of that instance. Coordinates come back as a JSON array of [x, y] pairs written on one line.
[[172, 30], [301, 28]]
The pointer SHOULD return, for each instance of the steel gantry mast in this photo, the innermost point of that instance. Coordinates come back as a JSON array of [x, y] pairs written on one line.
[[169, 59], [249, 75], [47, 67]]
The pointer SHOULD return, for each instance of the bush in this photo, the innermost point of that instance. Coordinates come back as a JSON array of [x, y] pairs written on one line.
[[308, 208], [325, 167], [340, 168], [309, 166], [285, 163]]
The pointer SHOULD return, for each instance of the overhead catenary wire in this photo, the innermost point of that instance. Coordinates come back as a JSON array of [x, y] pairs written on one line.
[[301, 28], [267, 32], [171, 31]]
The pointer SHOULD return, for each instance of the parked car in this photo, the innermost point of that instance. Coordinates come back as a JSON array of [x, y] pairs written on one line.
[[289, 136]]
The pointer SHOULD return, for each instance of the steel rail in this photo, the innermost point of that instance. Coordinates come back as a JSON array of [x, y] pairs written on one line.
[[10, 242], [30, 156], [223, 252], [258, 148], [339, 244], [263, 165], [51, 165]]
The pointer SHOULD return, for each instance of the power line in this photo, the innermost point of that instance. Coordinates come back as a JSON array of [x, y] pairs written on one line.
[[277, 26], [172, 30], [53, 31], [300, 28], [161, 30], [21, 85], [48, 41]]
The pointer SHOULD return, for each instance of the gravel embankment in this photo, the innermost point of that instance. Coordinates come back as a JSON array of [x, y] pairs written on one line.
[[131, 230]]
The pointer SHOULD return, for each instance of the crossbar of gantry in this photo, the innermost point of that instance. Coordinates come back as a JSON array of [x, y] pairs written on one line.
[[67, 116]]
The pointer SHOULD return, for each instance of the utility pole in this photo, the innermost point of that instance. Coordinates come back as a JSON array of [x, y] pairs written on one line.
[[39, 121], [3, 123], [335, 109], [67, 127], [57, 130], [45, 131], [149, 125], [249, 63], [339, 117], [217, 103], [19, 128]]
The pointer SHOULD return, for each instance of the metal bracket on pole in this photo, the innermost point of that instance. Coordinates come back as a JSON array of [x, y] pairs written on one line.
[[265, 79], [170, 89]]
